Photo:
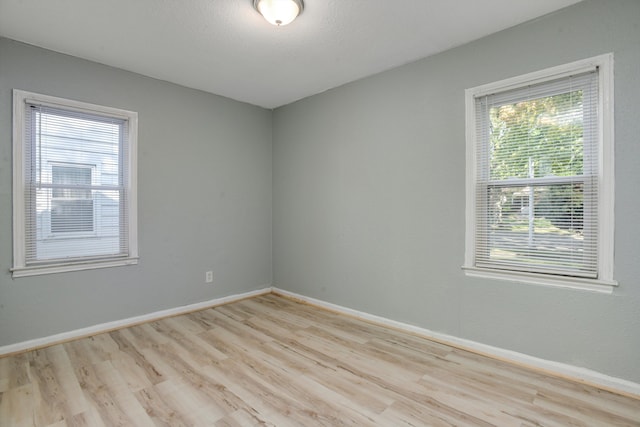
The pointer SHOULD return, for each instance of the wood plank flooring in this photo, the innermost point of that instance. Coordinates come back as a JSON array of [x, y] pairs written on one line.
[[270, 361]]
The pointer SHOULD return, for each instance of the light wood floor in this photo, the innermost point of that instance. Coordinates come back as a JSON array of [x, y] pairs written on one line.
[[270, 361]]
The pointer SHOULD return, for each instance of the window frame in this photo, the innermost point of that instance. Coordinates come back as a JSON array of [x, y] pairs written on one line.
[[20, 268], [605, 245]]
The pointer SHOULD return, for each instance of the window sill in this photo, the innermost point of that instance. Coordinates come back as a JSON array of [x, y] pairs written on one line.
[[592, 285], [71, 266]]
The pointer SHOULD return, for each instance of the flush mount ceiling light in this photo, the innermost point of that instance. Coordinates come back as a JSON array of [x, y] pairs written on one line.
[[279, 12]]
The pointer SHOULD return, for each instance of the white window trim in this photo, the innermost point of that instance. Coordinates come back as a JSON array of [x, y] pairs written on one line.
[[19, 233], [605, 282]]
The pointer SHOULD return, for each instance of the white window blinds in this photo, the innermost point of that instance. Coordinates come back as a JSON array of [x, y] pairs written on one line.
[[536, 186], [75, 189]]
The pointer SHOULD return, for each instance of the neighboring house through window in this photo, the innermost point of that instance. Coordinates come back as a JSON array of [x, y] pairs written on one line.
[[72, 208], [74, 185], [540, 177]]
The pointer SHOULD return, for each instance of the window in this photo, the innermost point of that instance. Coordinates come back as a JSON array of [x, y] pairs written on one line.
[[540, 177], [74, 193]]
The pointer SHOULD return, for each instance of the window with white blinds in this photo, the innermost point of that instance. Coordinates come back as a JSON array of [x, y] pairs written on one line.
[[539, 189], [74, 185]]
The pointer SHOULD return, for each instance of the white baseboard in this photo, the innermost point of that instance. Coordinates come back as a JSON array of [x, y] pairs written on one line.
[[118, 324], [570, 372]]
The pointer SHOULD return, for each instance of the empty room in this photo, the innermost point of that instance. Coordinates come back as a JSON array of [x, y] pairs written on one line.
[[319, 213]]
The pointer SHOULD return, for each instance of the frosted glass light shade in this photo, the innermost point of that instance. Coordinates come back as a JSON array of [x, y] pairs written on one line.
[[279, 12]]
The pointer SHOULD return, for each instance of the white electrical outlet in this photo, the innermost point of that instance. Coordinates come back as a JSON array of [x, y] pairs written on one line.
[[208, 276]]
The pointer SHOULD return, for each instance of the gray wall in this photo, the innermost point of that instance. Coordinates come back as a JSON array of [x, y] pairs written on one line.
[[369, 197], [204, 198]]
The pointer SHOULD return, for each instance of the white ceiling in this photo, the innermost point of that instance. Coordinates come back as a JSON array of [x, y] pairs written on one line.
[[225, 47]]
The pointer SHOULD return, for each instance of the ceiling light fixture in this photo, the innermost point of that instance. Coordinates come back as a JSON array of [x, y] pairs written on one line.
[[279, 12]]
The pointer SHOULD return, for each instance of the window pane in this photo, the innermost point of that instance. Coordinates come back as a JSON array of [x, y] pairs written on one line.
[[537, 228], [537, 137]]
